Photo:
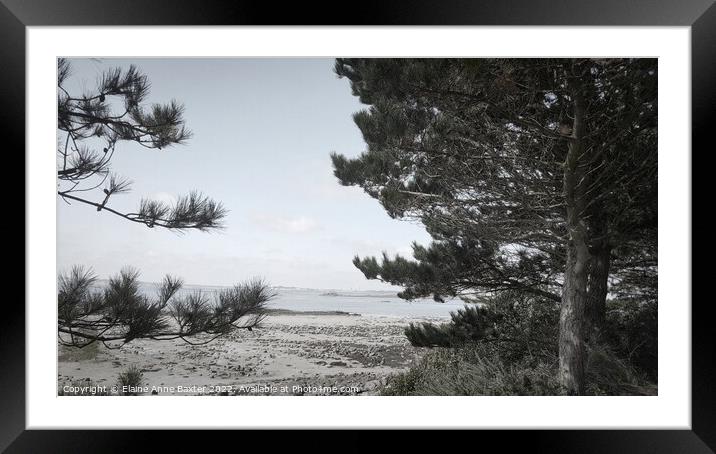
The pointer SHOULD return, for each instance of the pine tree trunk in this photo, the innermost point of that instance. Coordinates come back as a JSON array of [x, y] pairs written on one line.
[[574, 292], [571, 321], [597, 289]]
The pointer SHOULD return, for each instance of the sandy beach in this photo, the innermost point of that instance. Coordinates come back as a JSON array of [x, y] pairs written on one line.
[[293, 353]]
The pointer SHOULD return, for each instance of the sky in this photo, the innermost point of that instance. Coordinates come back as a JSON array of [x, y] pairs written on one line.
[[263, 130]]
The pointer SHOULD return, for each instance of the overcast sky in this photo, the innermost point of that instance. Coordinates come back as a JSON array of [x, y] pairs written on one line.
[[263, 130]]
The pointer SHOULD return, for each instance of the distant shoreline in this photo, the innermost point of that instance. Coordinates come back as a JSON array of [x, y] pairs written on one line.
[[291, 312], [324, 291]]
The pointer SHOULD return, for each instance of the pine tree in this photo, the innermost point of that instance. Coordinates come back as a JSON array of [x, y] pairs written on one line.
[[91, 126], [534, 175], [121, 312]]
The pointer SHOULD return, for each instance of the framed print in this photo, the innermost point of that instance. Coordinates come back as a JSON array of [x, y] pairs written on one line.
[[453, 217]]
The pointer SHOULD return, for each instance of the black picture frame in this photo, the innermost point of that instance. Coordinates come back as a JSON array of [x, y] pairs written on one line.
[[16, 15]]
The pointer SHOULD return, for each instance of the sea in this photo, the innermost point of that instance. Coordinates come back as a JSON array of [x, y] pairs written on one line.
[[364, 302]]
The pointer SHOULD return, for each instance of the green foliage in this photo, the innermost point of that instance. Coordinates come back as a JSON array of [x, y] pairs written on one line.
[[449, 267], [472, 323], [508, 346], [122, 312], [631, 330], [518, 323], [475, 370], [610, 375], [195, 210], [479, 369], [130, 377]]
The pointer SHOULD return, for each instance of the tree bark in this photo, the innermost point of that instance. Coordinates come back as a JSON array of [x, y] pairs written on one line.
[[597, 289], [574, 292], [571, 321]]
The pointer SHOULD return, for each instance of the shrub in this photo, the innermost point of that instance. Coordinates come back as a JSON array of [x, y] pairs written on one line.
[[508, 346], [130, 377], [631, 330], [520, 324], [471, 323], [479, 370], [610, 375], [474, 370]]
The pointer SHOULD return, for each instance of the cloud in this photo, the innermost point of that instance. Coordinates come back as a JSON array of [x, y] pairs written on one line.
[[300, 224]]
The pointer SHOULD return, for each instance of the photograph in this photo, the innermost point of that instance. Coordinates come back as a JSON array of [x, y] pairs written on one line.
[[357, 226], [465, 218]]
